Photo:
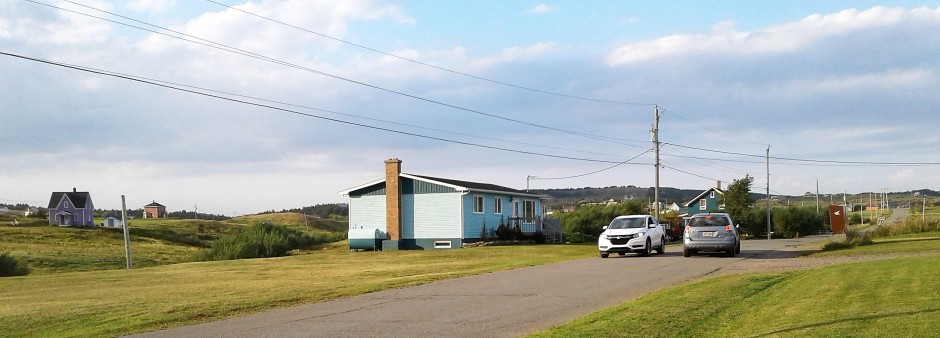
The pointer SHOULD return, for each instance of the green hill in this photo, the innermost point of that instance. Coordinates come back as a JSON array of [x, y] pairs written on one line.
[[50, 249]]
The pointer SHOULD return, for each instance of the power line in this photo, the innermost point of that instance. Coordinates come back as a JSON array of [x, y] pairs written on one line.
[[812, 161], [177, 88], [227, 48], [712, 130], [428, 64], [596, 171]]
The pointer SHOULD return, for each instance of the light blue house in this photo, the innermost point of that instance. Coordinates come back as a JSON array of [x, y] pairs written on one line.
[[423, 212], [706, 202]]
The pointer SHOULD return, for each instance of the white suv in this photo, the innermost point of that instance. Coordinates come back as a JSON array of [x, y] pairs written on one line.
[[634, 233]]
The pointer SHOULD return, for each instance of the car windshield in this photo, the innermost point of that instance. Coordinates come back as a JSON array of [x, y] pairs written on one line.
[[709, 221], [627, 223]]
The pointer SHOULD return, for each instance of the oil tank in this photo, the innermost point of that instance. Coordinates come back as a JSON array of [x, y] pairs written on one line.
[[365, 239]]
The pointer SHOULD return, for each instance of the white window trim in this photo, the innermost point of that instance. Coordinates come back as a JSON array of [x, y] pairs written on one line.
[[525, 218], [712, 194], [498, 205], [703, 204], [482, 204]]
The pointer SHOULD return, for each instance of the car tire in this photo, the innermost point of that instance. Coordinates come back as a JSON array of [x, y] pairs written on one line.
[[662, 246], [604, 255], [737, 249], [647, 249], [686, 252], [729, 253]]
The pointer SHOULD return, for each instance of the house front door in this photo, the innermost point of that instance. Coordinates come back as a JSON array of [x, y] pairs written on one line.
[[65, 219]]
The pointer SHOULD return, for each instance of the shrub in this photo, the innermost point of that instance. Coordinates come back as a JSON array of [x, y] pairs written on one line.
[[577, 237], [793, 221], [258, 241], [508, 233], [852, 239], [539, 237], [12, 266]]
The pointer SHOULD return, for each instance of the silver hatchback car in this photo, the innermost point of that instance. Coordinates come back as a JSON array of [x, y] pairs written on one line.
[[713, 232]]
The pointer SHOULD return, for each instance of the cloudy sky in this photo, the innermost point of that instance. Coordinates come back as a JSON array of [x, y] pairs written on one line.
[[250, 106]]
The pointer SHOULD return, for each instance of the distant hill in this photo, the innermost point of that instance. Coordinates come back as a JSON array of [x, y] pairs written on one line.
[[293, 219], [574, 196]]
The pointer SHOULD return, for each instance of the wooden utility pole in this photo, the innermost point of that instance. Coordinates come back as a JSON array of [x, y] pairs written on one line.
[[655, 136], [127, 233], [767, 158]]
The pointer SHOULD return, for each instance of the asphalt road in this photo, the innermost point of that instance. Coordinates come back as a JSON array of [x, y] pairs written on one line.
[[503, 304]]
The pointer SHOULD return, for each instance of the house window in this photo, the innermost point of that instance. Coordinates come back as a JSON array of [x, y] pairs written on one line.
[[497, 205], [702, 204], [712, 194], [442, 245], [529, 211], [478, 204]]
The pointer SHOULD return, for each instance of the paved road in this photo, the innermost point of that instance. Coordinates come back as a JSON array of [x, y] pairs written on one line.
[[898, 215], [502, 304]]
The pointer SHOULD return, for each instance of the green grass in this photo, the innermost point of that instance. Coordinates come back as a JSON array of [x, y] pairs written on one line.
[[296, 220], [896, 297], [52, 249], [117, 302]]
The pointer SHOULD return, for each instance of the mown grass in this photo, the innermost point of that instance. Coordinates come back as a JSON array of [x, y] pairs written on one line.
[[296, 220], [896, 297], [117, 302]]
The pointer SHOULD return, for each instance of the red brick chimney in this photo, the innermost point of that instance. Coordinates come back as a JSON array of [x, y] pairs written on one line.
[[393, 198]]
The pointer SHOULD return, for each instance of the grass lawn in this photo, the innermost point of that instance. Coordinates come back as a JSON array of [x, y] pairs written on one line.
[[897, 297], [117, 302], [891, 297]]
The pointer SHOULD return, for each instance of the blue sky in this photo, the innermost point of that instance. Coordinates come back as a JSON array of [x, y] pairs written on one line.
[[821, 81]]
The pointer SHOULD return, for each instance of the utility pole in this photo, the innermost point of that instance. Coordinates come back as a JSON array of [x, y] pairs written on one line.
[[195, 211], [127, 233], [767, 158], [655, 138], [817, 196], [527, 179]]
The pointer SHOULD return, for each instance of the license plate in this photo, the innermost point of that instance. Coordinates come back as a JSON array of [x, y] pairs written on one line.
[[709, 233]]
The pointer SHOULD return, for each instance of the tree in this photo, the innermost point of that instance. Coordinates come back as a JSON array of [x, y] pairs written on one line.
[[737, 199]]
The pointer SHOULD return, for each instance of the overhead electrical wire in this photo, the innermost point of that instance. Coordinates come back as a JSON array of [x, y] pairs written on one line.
[[872, 163], [227, 48], [428, 64], [596, 171], [191, 91]]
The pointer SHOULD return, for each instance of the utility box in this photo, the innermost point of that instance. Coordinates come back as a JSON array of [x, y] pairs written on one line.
[[837, 218]]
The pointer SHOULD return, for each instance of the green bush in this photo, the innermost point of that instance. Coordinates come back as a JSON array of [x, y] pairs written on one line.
[[508, 233], [589, 219], [852, 239], [259, 241], [12, 266], [794, 221], [577, 237]]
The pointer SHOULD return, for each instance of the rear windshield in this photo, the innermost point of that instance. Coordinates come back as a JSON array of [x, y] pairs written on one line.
[[627, 223], [709, 221]]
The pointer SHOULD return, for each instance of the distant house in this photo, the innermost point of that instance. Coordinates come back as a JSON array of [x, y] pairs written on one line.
[[705, 202], [154, 210], [422, 212], [71, 209]]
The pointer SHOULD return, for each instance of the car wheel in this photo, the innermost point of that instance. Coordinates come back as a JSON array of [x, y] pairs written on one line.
[[662, 246], [686, 252], [737, 249], [604, 255], [729, 253], [647, 249]]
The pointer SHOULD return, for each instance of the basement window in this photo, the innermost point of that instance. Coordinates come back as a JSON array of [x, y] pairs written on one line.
[[442, 244]]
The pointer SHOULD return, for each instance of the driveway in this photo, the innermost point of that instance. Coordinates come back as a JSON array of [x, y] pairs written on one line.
[[502, 304]]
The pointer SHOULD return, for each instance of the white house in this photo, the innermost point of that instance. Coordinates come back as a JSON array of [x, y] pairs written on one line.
[[422, 212], [112, 222]]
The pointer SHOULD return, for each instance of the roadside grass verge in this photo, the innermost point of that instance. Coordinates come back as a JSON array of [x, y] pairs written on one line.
[[118, 302], [896, 297]]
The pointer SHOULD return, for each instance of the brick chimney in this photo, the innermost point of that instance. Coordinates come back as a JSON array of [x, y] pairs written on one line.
[[719, 184], [393, 198]]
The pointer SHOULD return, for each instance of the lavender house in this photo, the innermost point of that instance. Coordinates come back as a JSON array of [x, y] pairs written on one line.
[[71, 209]]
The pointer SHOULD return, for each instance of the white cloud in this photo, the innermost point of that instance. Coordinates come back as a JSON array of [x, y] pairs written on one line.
[[540, 9], [516, 54], [725, 40], [151, 6]]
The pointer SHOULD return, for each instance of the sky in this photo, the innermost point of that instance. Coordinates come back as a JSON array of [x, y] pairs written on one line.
[[238, 107]]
